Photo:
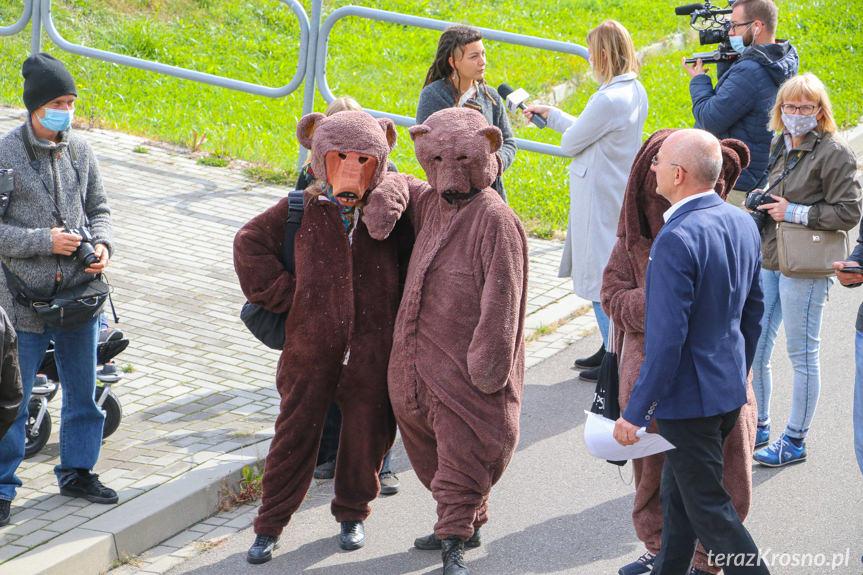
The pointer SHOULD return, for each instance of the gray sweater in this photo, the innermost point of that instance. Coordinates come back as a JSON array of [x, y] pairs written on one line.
[[25, 228], [438, 95]]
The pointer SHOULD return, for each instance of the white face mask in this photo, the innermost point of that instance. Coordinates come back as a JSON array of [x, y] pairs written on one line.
[[799, 126]]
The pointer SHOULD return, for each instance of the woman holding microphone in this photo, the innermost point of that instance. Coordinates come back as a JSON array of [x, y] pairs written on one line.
[[602, 142], [812, 180]]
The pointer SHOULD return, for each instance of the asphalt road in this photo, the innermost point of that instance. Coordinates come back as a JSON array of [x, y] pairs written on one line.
[[558, 510]]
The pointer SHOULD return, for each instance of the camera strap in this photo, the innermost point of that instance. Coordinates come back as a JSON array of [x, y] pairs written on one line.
[[774, 157], [34, 160]]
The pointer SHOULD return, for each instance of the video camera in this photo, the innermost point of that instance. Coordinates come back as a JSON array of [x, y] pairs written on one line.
[[712, 29]]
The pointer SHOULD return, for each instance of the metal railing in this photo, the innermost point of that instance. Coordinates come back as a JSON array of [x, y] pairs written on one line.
[[311, 58], [431, 24]]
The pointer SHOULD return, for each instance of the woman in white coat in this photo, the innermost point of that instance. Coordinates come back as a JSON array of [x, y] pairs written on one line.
[[602, 141]]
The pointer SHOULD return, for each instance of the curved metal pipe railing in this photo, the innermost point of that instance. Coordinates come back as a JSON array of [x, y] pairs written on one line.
[[21, 23], [184, 73], [432, 24]]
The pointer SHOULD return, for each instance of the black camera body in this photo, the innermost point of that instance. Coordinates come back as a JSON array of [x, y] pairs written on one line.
[[7, 186], [86, 253], [754, 199], [711, 30]]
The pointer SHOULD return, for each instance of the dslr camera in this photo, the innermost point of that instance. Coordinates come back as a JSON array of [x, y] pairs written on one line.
[[712, 29], [755, 198], [7, 186], [85, 254]]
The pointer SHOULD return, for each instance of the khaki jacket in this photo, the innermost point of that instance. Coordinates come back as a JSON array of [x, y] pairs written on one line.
[[824, 178]]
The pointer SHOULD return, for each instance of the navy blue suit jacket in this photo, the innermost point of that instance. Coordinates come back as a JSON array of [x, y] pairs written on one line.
[[703, 318]]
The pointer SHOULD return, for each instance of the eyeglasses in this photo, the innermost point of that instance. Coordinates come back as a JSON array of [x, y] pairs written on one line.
[[804, 110], [655, 161], [734, 26]]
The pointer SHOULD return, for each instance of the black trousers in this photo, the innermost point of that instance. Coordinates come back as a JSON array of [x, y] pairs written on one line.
[[695, 505]]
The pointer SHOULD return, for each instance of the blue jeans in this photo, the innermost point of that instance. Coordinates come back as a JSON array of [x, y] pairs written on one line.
[[601, 320], [858, 399], [82, 420], [800, 302]]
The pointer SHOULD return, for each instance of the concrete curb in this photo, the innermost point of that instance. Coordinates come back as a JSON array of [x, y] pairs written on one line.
[[139, 523]]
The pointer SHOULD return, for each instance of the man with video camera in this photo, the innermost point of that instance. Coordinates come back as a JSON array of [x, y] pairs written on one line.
[[55, 237], [738, 107]]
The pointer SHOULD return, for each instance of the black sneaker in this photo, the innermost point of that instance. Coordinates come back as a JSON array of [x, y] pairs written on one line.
[[261, 550], [87, 486], [5, 511]]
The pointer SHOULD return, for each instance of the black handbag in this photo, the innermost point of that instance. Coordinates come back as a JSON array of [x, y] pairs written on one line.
[[268, 326], [605, 395]]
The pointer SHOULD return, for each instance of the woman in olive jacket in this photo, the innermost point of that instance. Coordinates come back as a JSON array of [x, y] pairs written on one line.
[[813, 181]]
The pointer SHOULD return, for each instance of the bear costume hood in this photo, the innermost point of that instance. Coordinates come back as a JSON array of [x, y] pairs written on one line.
[[641, 214], [458, 170], [350, 131]]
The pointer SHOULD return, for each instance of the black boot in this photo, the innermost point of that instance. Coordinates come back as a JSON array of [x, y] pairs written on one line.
[[452, 552], [353, 536], [590, 375], [431, 541], [592, 361]]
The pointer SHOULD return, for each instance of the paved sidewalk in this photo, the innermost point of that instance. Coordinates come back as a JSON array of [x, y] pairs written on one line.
[[199, 403]]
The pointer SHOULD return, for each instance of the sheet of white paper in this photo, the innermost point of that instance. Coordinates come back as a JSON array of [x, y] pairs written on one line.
[[599, 437]]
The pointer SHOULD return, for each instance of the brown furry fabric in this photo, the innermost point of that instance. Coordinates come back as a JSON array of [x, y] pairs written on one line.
[[341, 305], [347, 132], [457, 368], [623, 299]]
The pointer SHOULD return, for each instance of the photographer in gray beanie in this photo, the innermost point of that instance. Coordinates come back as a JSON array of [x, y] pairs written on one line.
[[56, 199]]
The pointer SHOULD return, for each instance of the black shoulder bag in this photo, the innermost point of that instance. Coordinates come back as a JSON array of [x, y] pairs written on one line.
[[267, 326]]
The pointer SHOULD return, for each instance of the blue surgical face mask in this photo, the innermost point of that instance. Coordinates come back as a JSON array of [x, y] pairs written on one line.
[[57, 120], [737, 43]]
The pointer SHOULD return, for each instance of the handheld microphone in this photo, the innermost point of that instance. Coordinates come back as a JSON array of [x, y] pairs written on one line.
[[515, 100], [688, 9]]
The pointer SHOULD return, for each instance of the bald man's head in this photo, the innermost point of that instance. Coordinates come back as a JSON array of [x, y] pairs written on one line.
[[698, 152]]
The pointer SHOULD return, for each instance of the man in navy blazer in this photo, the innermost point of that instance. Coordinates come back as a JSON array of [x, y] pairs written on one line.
[[703, 319]]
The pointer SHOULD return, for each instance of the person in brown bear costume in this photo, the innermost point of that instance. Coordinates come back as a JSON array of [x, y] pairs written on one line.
[[341, 302], [457, 366], [624, 300]]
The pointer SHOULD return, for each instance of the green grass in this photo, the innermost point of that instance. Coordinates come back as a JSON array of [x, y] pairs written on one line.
[[383, 66]]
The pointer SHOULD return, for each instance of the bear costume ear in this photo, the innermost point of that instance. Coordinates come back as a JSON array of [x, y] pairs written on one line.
[[306, 127], [418, 130], [389, 128], [494, 137]]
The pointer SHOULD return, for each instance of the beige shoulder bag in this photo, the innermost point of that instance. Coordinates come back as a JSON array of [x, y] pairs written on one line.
[[808, 253]]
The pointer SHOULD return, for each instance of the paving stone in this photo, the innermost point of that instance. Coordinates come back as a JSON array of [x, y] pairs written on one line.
[[200, 384]]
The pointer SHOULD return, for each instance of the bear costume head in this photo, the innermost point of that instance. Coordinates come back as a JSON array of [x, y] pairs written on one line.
[[642, 210], [456, 148], [348, 151]]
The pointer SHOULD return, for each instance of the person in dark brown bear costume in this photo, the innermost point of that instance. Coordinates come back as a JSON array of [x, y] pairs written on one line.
[[457, 366], [623, 299], [341, 303]]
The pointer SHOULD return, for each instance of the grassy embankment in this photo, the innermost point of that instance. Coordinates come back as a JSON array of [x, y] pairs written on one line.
[[383, 66]]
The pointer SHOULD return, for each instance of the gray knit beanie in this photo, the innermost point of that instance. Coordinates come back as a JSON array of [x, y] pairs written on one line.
[[45, 78]]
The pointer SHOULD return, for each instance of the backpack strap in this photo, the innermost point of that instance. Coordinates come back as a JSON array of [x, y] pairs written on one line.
[[292, 224]]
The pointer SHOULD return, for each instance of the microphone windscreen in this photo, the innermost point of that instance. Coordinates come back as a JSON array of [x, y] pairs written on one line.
[[687, 9], [504, 90]]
